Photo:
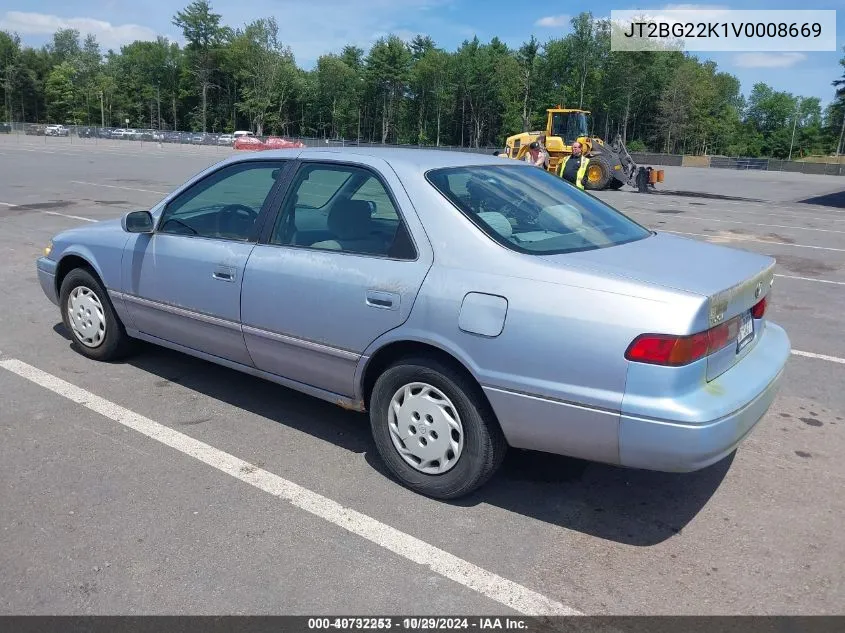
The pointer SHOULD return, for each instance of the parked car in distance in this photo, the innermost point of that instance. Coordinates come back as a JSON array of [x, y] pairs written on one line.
[[87, 132], [226, 139], [5, 128], [466, 303], [56, 130]]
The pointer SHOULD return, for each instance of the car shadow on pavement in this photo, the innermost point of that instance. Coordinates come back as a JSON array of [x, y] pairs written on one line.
[[632, 507]]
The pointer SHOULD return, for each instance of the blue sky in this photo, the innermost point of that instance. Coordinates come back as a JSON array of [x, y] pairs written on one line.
[[313, 27]]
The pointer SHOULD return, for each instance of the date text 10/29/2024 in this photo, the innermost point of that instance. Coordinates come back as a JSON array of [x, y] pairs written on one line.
[[419, 623]]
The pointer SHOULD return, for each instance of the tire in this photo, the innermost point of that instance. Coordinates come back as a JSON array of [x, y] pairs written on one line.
[[482, 445], [88, 293], [598, 174]]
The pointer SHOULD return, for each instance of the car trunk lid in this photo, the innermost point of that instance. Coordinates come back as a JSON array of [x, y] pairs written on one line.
[[732, 280]]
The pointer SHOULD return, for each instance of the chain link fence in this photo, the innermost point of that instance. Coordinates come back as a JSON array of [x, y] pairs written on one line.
[[78, 133], [81, 133]]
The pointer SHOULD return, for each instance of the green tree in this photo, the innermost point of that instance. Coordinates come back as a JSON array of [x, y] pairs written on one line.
[[264, 69], [201, 29], [387, 70], [61, 94]]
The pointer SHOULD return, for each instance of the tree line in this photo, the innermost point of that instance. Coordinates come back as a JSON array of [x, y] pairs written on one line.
[[225, 78]]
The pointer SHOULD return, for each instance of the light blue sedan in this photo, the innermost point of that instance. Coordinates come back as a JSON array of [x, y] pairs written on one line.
[[467, 303]]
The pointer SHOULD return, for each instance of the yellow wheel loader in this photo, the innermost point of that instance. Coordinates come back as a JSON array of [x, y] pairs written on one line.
[[611, 166]]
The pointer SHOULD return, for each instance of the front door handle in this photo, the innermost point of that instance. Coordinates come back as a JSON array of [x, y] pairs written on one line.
[[384, 300], [224, 274]]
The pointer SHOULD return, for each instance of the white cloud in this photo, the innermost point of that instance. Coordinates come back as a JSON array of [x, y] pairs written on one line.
[[553, 21], [108, 35], [769, 60]]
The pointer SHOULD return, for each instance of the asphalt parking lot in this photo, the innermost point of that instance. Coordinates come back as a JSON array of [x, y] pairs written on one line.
[[100, 515]]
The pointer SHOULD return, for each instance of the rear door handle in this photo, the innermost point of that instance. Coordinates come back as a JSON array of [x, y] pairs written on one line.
[[384, 300]]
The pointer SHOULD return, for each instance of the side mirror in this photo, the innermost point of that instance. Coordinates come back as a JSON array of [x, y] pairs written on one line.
[[137, 222]]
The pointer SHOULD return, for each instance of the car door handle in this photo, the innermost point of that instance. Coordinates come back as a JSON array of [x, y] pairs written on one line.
[[384, 300], [223, 275]]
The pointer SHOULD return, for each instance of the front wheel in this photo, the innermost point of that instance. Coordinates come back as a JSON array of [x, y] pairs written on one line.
[[434, 430], [89, 316], [598, 174]]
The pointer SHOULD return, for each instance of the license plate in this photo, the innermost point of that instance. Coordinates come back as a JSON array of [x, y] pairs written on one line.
[[746, 330]]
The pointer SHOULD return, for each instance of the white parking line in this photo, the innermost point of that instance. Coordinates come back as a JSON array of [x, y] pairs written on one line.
[[502, 590], [821, 281], [40, 151], [741, 208], [832, 359], [66, 215], [97, 184], [773, 226], [740, 238]]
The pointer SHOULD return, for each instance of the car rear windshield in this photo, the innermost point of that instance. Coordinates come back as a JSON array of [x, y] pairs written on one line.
[[533, 211]]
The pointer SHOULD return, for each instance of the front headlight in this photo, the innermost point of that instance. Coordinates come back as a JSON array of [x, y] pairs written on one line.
[[48, 249]]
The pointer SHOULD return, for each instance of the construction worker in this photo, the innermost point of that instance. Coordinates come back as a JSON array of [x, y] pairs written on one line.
[[573, 167], [537, 155]]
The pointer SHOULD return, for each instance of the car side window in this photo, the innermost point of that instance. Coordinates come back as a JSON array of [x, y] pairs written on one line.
[[342, 208], [225, 205]]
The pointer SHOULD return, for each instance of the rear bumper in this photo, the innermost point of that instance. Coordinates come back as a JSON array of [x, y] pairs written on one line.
[[682, 434], [683, 446], [47, 277], [669, 447]]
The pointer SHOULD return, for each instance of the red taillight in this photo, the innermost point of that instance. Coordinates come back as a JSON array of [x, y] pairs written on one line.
[[759, 309], [674, 351], [664, 349]]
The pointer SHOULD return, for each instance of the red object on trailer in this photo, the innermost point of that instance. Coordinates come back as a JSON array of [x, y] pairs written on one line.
[[272, 142], [248, 142], [276, 142]]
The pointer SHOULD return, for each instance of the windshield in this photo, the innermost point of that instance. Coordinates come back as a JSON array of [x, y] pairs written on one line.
[[532, 211], [569, 125]]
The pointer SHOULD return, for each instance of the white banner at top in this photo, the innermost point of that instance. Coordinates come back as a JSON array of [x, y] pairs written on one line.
[[723, 30]]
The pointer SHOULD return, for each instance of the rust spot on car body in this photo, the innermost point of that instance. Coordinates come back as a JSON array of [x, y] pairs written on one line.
[[351, 405]]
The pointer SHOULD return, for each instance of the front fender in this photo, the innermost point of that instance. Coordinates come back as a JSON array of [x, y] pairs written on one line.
[[85, 253], [104, 258]]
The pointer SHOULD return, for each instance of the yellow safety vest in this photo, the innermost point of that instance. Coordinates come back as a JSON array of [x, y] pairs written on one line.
[[582, 169]]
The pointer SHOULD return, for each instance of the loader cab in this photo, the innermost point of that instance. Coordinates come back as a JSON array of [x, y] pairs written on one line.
[[568, 125]]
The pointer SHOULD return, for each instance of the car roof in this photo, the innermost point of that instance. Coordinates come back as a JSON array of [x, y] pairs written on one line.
[[405, 159]]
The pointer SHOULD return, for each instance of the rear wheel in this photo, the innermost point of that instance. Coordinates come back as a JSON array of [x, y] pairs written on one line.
[[598, 174], [433, 428], [88, 315]]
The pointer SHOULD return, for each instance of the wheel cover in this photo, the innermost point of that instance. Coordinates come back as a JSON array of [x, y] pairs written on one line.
[[86, 316], [594, 173], [425, 428]]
